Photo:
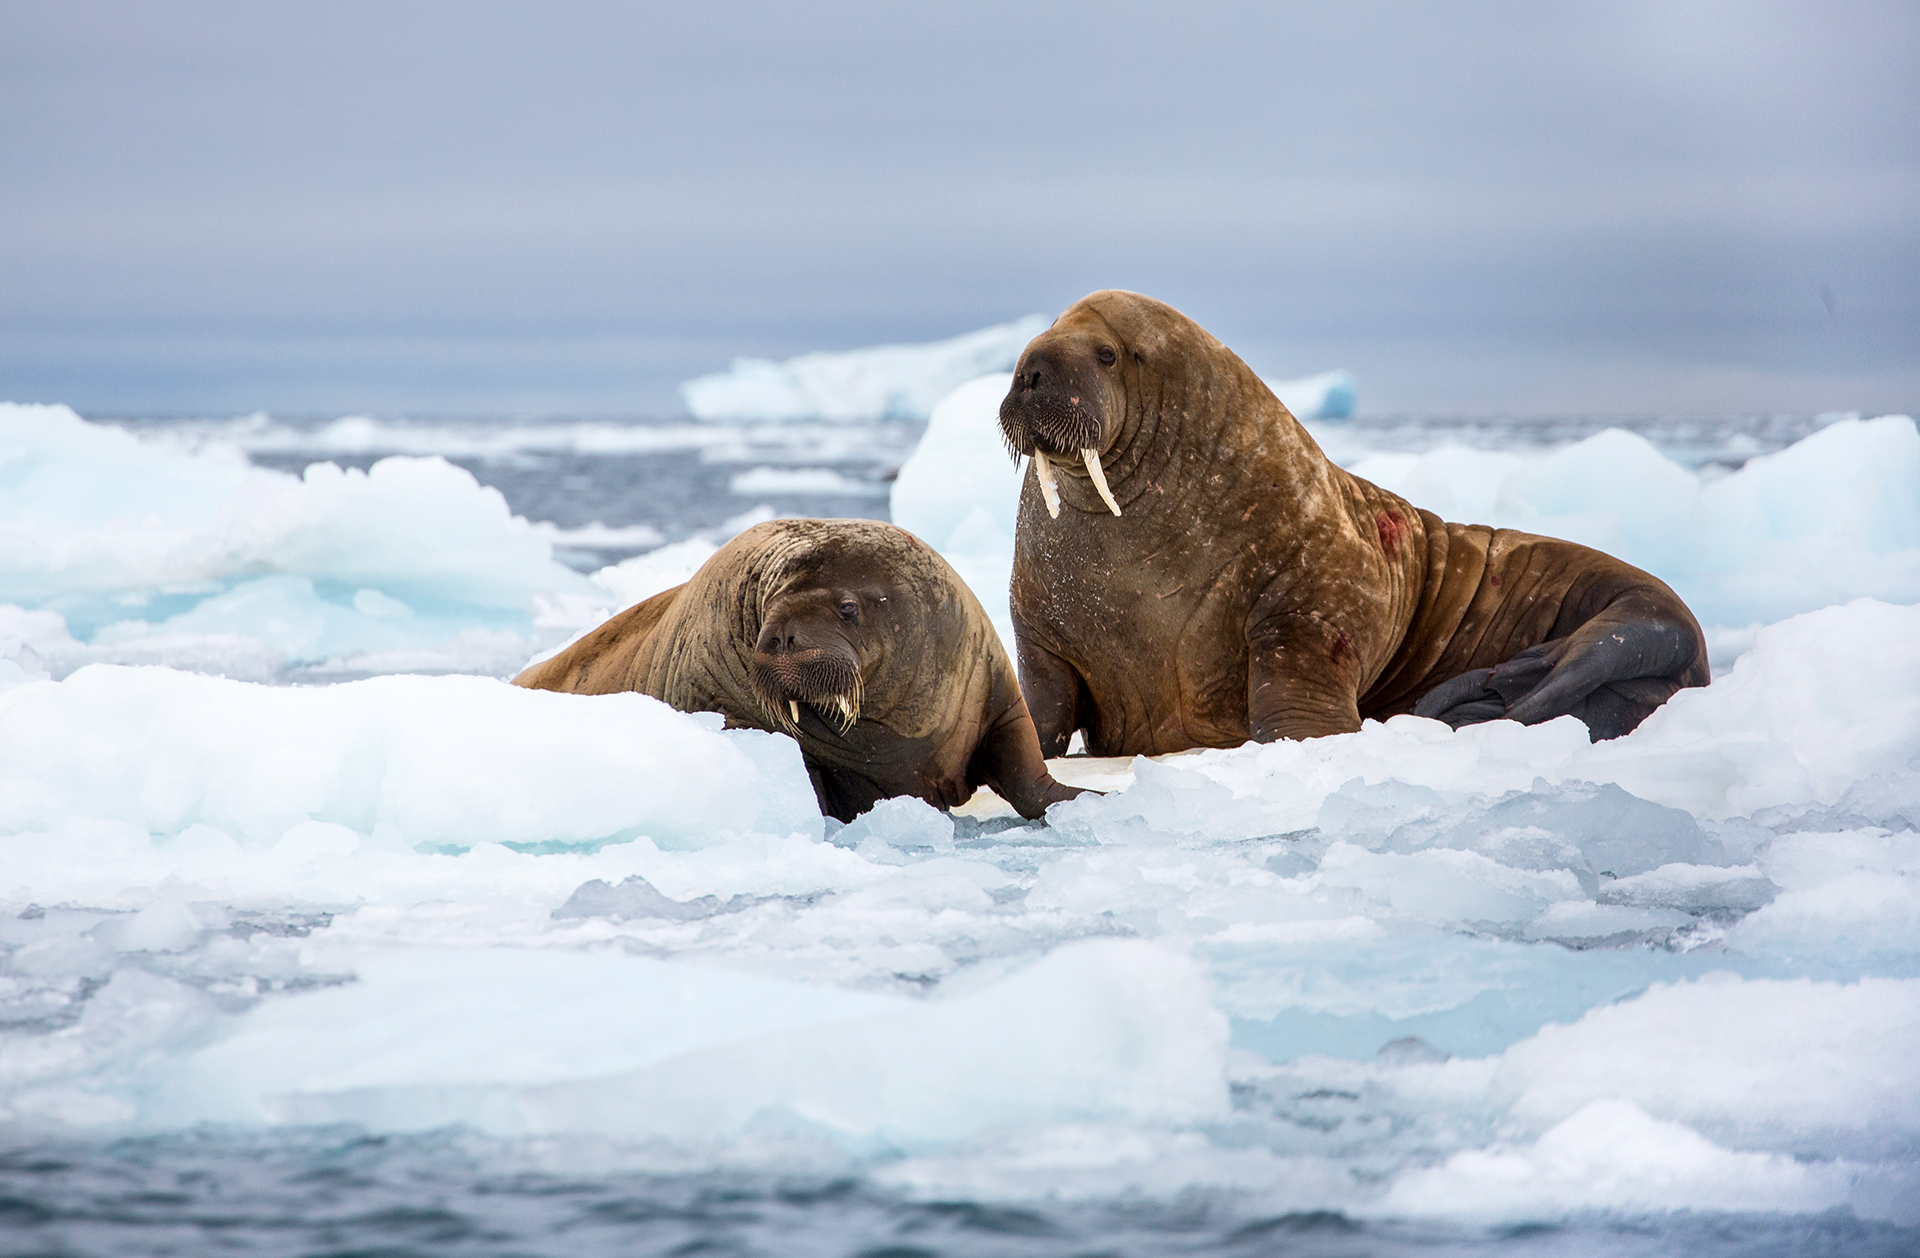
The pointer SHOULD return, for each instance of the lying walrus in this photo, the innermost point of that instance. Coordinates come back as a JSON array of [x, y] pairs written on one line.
[[852, 636], [1191, 571]]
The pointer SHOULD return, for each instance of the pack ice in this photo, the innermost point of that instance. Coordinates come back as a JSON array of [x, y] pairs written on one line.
[[1500, 974]]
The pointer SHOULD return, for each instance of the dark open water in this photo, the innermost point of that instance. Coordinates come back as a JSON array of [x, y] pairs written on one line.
[[338, 1193]]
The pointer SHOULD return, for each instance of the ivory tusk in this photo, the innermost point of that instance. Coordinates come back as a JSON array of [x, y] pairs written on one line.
[[793, 706], [1092, 459], [1043, 472]]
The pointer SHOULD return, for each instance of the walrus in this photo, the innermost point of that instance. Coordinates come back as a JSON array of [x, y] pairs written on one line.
[[1190, 570], [852, 636]]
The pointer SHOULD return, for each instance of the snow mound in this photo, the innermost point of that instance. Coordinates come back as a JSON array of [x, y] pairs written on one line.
[[399, 762], [884, 382], [960, 492], [145, 551], [92, 509], [1713, 1094]]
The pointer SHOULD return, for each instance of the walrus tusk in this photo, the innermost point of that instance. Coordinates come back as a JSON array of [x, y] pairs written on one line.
[[1043, 472], [793, 706], [1092, 459]]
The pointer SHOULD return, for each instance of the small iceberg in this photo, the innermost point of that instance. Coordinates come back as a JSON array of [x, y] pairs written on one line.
[[1329, 395], [883, 382]]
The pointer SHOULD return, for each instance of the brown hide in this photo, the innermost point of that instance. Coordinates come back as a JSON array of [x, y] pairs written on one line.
[[939, 708], [1250, 587]]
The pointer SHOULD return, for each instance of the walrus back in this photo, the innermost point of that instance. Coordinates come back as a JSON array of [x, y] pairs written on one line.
[[613, 658], [1490, 594]]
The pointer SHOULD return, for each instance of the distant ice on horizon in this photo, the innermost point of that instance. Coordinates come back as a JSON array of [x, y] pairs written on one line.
[[907, 381]]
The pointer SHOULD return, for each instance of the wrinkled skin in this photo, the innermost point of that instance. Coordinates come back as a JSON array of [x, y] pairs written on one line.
[[1251, 589], [855, 638]]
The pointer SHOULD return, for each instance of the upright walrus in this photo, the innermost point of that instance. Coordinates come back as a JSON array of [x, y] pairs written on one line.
[[1191, 571], [852, 636]]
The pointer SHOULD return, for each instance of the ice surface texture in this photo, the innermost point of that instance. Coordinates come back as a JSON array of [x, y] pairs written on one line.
[[150, 553], [1496, 975], [408, 902]]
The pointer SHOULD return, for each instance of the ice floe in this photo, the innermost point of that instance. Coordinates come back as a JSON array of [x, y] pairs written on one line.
[[149, 553], [1501, 974]]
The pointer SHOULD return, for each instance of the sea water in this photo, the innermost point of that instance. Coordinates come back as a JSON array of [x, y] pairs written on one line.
[[316, 937]]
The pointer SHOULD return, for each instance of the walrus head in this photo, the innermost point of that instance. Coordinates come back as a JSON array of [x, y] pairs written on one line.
[[1067, 400], [810, 652]]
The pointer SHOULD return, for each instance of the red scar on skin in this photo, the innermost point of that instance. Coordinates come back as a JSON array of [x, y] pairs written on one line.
[[1341, 652], [1392, 528], [1494, 580]]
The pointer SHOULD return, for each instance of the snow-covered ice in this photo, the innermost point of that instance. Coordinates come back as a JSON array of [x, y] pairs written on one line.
[[148, 553], [1499, 975]]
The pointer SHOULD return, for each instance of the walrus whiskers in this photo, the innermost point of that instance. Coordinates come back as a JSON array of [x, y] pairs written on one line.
[[850, 702], [1043, 471], [1092, 459]]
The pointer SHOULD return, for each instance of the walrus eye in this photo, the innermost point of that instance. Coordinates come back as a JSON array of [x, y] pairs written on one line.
[[850, 610], [1105, 356]]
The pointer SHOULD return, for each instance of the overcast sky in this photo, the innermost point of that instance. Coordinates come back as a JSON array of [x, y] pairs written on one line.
[[568, 208]]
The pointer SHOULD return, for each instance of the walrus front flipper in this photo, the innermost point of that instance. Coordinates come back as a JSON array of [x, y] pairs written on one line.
[[1611, 672], [1009, 761], [1055, 695], [843, 794], [1008, 757]]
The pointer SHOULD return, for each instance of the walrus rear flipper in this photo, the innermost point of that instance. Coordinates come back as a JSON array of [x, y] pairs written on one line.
[[1611, 672]]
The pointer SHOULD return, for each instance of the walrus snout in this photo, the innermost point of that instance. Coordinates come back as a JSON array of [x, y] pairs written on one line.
[[1054, 415], [1047, 411], [794, 663]]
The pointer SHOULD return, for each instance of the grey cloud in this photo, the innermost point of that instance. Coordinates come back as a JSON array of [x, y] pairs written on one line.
[[572, 207]]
